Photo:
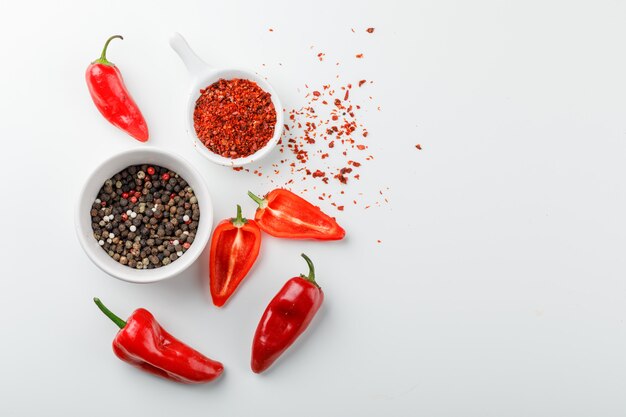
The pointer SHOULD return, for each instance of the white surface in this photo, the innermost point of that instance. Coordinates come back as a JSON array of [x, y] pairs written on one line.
[[499, 286], [110, 167], [202, 75]]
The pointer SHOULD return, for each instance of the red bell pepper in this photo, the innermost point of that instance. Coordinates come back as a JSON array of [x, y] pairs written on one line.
[[111, 97], [234, 248], [143, 343], [284, 214], [285, 318]]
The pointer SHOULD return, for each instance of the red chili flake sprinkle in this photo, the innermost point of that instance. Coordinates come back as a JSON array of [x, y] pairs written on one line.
[[340, 208], [347, 95], [352, 30], [360, 147], [356, 164], [318, 173], [359, 56], [379, 241], [370, 30], [234, 118], [150, 170], [320, 56], [237, 168], [165, 176], [316, 93], [419, 147], [331, 144], [271, 30], [360, 84]]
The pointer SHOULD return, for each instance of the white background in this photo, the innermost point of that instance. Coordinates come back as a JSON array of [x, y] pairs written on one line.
[[498, 288]]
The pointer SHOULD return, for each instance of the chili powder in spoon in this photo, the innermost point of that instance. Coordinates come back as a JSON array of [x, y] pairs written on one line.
[[234, 118]]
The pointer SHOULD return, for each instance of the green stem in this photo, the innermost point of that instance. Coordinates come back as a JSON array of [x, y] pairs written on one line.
[[120, 323], [260, 201], [103, 56], [311, 276], [238, 221]]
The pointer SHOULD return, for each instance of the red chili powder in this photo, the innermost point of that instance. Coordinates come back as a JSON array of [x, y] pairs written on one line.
[[234, 118]]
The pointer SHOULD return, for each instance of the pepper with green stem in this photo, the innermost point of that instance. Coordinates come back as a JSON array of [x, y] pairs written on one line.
[[235, 246], [143, 343], [286, 317]]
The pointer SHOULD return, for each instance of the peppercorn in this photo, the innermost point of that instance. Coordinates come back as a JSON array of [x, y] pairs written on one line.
[[130, 219]]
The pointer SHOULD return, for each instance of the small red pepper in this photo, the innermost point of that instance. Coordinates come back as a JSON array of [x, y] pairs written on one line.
[[285, 318], [284, 214], [111, 97], [143, 343], [234, 248]]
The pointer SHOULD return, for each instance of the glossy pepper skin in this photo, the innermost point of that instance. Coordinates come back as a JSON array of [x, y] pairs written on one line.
[[143, 343], [286, 317], [284, 214], [235, 246], [111, 97]]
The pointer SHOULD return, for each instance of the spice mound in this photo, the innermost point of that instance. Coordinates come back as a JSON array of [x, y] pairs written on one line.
[[145, 216], [234, 118]]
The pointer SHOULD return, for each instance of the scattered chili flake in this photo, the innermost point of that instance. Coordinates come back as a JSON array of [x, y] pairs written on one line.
[[360, 147], [340, 208], [234, 118], [271, 30], [362, 82], [359, 56], [370, 30], [419, 147]]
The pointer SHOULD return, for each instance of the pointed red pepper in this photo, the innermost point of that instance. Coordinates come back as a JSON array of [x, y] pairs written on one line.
[[143, 343], [284, 214], [234, 248], [111, 97], [286, 317]]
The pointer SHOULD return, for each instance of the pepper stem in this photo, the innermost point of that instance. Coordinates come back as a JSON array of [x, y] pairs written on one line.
[[311, 276], [238, 221], [260, 201], [103, 56], [120, 323]]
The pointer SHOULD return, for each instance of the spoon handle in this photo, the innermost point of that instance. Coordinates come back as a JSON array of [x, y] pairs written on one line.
[[195, 65]]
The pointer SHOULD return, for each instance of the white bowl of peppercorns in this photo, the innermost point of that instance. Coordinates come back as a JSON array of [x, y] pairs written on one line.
[[144, 215]]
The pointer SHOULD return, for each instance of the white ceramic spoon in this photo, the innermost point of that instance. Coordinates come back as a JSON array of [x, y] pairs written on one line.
[[202, 75]]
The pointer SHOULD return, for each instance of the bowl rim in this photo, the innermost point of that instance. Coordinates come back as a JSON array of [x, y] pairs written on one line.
[[210, 77], [129, 274]]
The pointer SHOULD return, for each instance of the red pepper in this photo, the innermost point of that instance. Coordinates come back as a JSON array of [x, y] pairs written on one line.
[[285, 318], [111, 97], [234, 248], [284, 214], [143, 343]]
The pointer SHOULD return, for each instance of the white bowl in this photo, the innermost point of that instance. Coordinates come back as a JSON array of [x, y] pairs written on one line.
[[115, 164], [203, 76]]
